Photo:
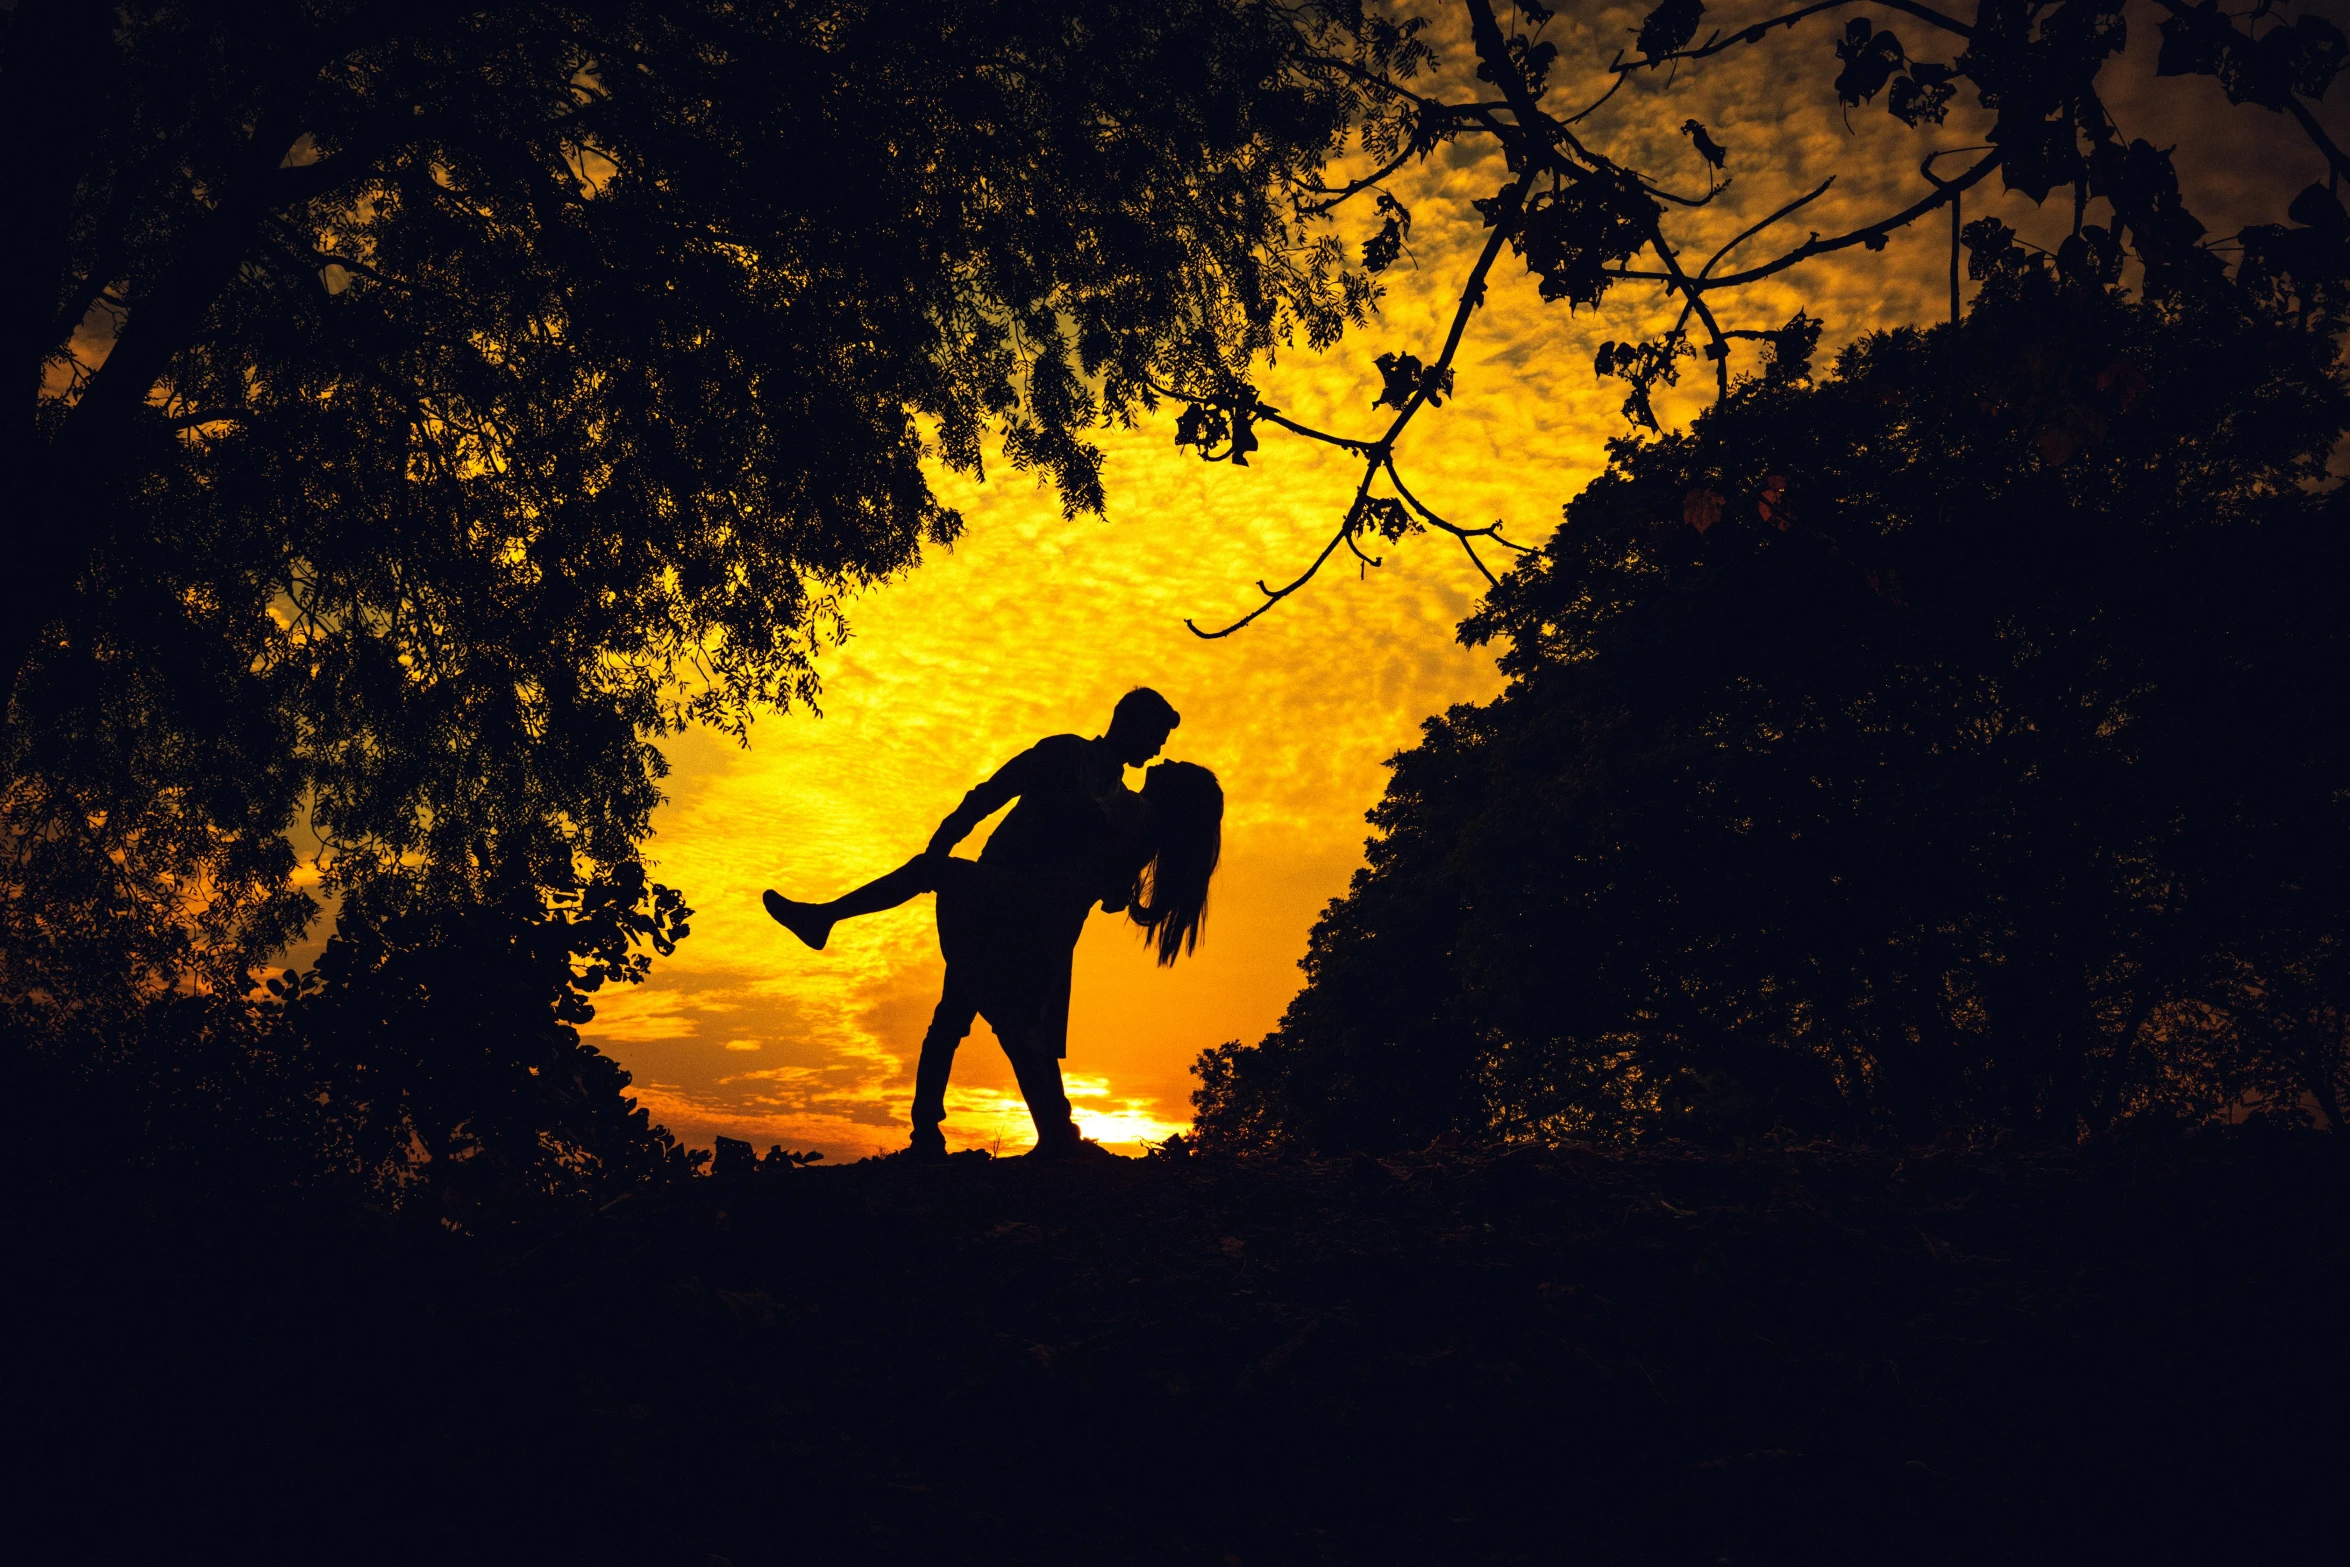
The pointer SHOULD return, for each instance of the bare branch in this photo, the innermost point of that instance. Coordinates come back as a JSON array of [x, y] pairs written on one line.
[[1267, 412], [1337, 196], [1492, 531], [1816, 246], [204, 416], [1744, 235], [1663, 194], [1274, 596], [1577, 119], [1377, 454], [1276, 416]]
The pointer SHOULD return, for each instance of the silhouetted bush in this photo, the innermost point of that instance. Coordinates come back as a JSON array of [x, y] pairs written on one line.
[[1949, 744], [431, 1050]]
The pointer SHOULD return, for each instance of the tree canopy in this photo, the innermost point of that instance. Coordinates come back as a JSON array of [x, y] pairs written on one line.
[[1944, 746], [426, 408]]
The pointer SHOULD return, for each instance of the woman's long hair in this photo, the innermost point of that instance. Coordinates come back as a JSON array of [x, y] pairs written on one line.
[[1187, 819]]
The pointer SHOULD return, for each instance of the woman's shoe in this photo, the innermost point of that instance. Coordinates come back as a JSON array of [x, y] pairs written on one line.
[[801, 919]]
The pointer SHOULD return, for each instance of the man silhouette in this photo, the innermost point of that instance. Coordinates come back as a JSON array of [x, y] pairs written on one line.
[[1072, 799]]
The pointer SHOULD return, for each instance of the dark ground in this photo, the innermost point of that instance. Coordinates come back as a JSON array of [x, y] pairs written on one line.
[[1787, 1355]]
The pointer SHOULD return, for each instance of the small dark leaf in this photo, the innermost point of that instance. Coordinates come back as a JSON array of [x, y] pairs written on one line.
[[1923, 96], [2036, 155], [1571, 238], [1669, 27], [2317, 54], [2318, 208], [1870, 58], [1399, 376], [1643, 365], [2191, 45], [1707, 148], [1533, 62], [1792, 347], [1702, 508], [1991, 248]]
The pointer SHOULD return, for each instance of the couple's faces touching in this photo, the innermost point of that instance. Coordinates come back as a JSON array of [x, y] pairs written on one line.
[[1136, 744]]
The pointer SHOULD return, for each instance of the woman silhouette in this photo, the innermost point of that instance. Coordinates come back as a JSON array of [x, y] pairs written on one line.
[[1008, 928]]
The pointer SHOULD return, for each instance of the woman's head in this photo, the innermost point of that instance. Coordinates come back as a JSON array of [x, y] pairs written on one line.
[[1187, 829]]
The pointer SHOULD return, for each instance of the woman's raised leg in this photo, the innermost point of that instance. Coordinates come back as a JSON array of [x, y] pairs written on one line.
[[813, 922]]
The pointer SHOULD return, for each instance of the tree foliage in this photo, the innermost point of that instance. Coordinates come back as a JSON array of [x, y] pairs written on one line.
[[1587, 220], [472, 375], [1943, 746], [432, 1047], [424, 409]]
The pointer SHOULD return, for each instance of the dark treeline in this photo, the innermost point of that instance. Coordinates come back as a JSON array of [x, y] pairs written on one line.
[[1953, 744]]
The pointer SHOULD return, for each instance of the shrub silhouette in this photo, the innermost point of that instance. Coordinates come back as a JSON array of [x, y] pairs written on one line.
[[1949, 744], [432, 1051]]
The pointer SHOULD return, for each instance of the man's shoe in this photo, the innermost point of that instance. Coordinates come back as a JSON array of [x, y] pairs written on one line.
[[1073, 1146], [801, 919]]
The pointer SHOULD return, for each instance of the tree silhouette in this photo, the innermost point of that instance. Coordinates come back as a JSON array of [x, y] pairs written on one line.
[[1916, 752], [439, 404]]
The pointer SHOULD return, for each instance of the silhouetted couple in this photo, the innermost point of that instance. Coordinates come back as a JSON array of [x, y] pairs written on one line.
[[1008, 921]]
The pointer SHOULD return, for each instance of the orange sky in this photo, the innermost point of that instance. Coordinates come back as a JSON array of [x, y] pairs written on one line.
[[1034, 624]]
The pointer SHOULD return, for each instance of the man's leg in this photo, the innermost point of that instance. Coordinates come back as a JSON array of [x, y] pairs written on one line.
[[949, 1023], [1039, 1074], [813, 922]]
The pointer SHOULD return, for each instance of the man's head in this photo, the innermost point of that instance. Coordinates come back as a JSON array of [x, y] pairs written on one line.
[[1140, 724]]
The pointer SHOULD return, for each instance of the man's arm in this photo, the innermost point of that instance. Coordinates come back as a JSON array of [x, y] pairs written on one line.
[[1015, 778]]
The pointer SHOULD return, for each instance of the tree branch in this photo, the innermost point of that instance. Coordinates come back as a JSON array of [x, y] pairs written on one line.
[[1377, 454], [1716, 44], [1949, 191], [1744, 235]]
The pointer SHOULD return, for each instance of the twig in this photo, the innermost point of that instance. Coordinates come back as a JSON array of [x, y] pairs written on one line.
[[1377, 453], [1576, 119], [1820, 247], [1797, 205]]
